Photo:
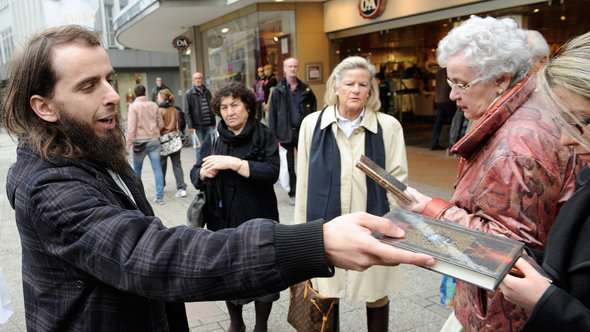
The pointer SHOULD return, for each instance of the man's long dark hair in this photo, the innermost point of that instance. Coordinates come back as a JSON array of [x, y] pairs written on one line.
[[32, 74]]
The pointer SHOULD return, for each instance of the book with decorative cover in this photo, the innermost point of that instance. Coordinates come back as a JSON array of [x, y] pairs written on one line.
[[475, 257], [385, 179]]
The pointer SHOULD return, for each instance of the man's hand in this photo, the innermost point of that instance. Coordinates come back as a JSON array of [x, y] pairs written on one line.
[[527, 291], [350, 245]]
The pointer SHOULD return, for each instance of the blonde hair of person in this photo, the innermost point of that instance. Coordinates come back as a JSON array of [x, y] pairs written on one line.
[[166, 94], [352, 62], [570, 71]]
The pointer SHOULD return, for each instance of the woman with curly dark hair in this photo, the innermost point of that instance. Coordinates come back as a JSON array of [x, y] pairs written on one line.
[[237, 167]]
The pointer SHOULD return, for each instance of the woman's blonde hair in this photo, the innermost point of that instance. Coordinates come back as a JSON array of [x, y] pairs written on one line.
[[167, 95], [569, 71], [353, 62]]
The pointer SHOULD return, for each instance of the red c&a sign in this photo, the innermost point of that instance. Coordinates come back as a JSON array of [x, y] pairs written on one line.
[[370, 8]]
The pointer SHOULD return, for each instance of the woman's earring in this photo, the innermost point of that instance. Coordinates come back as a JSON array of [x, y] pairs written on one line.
[[500, 91], [336, 93]]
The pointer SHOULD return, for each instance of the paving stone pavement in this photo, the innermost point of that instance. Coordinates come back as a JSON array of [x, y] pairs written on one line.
[[415, 308]]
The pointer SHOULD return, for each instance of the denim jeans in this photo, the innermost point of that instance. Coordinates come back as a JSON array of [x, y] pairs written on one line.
[[152, 150], [202, 134], [176, 169]]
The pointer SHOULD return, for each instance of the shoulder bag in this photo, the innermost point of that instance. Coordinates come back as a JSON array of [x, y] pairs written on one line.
[[195, 215], [170, 143]]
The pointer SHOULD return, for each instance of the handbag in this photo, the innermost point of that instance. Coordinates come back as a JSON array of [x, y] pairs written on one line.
[[195, 215], [170, 143], [309, 311]]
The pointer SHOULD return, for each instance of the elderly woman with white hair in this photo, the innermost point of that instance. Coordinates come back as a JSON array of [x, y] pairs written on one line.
[[514, 176], [329, 184]]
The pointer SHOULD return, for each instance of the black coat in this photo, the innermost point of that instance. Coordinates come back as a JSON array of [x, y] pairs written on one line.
[[279, 111], [231, 198], [565, 306]]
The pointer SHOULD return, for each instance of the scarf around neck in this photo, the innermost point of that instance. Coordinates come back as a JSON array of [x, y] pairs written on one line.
[[324, 187]]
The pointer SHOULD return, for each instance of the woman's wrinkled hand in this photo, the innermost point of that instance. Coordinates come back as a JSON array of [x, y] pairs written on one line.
[[419, 202]]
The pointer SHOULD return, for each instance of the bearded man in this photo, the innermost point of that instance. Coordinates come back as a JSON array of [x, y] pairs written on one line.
[[94, 255]]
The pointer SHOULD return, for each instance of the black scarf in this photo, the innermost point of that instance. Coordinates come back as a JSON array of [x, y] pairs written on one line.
[[251, 132], [323, 192]]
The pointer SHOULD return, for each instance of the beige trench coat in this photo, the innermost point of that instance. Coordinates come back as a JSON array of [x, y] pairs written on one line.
[[377, 281]]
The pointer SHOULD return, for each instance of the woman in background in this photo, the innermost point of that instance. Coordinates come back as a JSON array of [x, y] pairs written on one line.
[[330, 143], [240, 164], [171, 118]]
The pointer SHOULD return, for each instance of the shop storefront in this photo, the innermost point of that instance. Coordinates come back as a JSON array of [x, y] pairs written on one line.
[[233, 50], [404, 48]]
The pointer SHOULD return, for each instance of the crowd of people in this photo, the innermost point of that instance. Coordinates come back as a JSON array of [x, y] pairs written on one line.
[[96, 257]]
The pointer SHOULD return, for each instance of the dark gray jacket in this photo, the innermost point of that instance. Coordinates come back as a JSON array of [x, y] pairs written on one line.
[[192, 107], [279, 111]]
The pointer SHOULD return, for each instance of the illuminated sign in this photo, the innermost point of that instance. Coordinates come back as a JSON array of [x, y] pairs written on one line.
[[370, 8], [181, 42]]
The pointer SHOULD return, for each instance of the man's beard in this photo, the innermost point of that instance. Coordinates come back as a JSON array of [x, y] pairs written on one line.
[[107, 150]]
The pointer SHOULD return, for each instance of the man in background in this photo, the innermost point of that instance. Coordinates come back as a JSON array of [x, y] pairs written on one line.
[[384, 92], [159, 86], [540, 50], [200, 119], [290, 102], [445, 107]]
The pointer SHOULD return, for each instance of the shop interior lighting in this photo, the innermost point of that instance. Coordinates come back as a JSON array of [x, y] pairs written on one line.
[[225, 30], [562, 18], [275, 38], [536, 10]]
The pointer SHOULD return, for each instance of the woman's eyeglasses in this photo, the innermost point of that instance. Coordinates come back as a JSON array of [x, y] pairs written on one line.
[[580, 127], [461, 87]]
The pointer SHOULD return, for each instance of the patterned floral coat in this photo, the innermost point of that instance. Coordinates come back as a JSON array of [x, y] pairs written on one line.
[[513, 179]]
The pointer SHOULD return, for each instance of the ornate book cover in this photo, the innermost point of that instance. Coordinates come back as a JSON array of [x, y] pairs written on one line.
[[475, 257], [385, 179]]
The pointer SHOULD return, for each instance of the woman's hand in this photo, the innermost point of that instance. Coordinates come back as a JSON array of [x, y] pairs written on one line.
[[527, 291], [214, 163], [419, 202]]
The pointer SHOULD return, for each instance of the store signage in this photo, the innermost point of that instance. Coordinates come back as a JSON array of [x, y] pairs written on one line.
[[181, 42], [370, 8]]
